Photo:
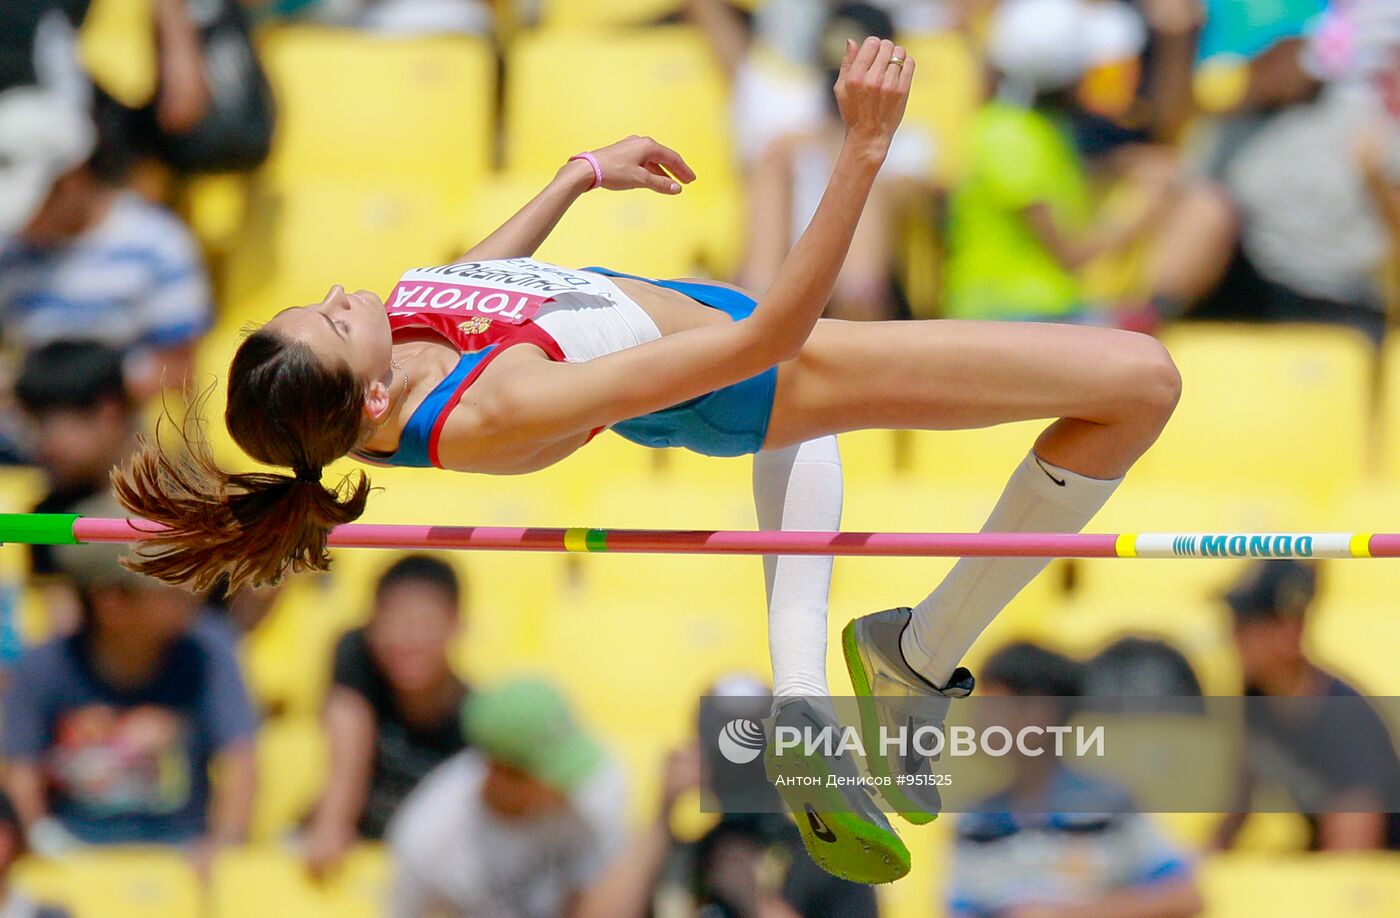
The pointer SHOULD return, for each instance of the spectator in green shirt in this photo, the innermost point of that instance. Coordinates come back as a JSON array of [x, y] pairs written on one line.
[[1021, 221]]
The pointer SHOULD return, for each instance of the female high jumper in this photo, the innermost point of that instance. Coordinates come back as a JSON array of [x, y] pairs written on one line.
[[502, 365]]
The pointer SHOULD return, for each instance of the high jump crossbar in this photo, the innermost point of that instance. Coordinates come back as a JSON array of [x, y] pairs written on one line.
[[68, 529]]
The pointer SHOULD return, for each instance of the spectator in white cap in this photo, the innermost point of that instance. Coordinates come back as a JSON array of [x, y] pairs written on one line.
[[1022, 226], [81, 259]]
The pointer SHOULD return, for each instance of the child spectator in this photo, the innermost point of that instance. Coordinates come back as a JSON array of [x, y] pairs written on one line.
[[393, 712], [110, 734], [80, 258], [1035, 849]]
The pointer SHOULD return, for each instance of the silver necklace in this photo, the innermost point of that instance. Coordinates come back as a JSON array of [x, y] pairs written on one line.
[[382, 421]]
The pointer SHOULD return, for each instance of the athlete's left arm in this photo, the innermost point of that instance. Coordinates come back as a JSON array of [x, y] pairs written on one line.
[[636, 162]]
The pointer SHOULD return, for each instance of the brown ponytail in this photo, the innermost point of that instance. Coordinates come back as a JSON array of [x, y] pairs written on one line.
[[284, 408]]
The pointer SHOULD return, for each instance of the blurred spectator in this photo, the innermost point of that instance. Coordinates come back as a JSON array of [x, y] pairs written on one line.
[[14, 904], [1021, 224], [770, 60], [394, 709], [789, 174], [81, 424], [1037, 849], [86, 260], [523, 824], [211, 109], [1134, 667], [1299, 99], [752, 863], [38, 45], [110, 734], [1294, 748]]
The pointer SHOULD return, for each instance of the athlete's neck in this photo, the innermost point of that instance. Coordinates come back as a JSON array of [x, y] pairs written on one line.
[[425, 364]]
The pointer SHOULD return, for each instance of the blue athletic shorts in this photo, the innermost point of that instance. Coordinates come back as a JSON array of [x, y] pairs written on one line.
[[727, 422]]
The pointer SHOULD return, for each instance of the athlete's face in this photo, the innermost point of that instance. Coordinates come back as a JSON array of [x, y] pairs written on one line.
[[349, 329]]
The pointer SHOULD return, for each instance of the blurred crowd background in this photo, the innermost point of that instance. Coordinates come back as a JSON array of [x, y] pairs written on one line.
[[515, 735]]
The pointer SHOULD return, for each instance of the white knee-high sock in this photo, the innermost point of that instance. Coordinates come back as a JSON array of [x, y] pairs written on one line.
[[799, 487], [1040, 497]]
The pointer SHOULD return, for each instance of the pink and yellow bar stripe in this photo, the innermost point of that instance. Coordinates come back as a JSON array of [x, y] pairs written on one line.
[[68, 529]]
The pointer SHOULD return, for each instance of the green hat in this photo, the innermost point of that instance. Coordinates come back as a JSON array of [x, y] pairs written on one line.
[[527, 724]]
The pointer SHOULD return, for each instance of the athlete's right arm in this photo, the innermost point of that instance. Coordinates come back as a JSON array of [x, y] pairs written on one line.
[[526, 402]]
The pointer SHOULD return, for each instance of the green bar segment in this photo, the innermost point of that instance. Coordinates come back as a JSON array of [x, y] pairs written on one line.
[[38, 528], [597, 540]]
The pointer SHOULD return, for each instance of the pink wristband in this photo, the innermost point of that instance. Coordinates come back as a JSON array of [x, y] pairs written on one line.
[[597, 169]]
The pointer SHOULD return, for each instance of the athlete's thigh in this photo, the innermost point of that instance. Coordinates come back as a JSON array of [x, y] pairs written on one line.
[[950, 374]]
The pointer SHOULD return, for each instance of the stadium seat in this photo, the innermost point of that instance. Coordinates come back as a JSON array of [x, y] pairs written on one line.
[[255, 882], [1272, 409], [114, 883], [1388, 415], [117, 48], [296, 243], [287, 657], [982, 458], [944, 97], [291, 771], [871, 456], [568, 91], [1358, 640], [669, 503], [577, 14], [1302, 885], [381, 112], [571, 91], [648, 234]]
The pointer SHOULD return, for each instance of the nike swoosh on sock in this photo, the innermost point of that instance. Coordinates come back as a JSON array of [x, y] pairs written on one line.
[[1058, 481]]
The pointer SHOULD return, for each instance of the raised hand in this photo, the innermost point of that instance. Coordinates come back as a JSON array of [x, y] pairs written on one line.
[[640, 162], [872, 90]]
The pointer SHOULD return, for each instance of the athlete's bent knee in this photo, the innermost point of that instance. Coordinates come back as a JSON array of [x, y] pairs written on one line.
[[1156, 382]]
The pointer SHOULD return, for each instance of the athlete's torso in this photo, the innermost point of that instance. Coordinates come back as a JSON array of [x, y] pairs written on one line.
[[476, 304], [495, 313]]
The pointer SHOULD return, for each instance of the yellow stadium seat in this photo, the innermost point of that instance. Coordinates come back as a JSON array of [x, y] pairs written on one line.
[[297, 243], [670, 503], [1302, 885], [871, 456], [255, 882], [571, 91], [383, 112], [114, 883], [291, 774], [1358, 640], [673, 642], [982, 458], [117, 47], [287, 657], [1276, 409], [215, 206], [944, 97], [1388, 416], [575, 14]]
